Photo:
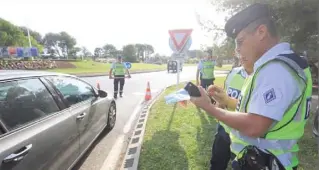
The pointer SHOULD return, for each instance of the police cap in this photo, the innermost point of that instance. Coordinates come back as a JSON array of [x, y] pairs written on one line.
[[243, 18]]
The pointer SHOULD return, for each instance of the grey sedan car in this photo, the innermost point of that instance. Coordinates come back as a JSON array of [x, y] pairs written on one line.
[[48, 120]]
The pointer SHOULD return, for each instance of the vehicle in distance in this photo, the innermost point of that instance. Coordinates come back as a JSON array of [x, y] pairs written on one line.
[[48, 120], [172, 66]]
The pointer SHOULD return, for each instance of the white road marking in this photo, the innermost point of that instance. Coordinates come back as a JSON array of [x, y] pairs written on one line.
[[128, 124], [110, 162]]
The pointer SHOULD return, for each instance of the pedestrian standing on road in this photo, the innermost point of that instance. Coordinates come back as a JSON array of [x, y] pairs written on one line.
[[221, 153], [274, 104], [205, 71], [117, 72]]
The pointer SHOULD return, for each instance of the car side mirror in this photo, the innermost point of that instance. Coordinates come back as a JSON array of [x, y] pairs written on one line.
[[102, 93], [315, 125]]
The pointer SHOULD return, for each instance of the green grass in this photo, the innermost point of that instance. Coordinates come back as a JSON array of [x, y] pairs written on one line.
[[308, 154], [227, 67], [98, 67], [178, 138], [86, 67], [224, 68]]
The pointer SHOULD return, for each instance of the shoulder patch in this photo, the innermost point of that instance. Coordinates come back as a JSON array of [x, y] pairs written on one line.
[[269, 95]]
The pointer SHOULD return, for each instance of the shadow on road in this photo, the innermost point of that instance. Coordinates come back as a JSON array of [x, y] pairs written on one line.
[[90, 149]]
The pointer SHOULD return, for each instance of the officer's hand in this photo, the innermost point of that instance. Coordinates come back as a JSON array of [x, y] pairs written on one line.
[[110, 77], [203, 101], [218, 94], [129, 76]]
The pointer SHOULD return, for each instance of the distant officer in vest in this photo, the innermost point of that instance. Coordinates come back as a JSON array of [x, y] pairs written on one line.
[[117, 72], [274, 104], [221, 153], [205, 71], [200, 74]]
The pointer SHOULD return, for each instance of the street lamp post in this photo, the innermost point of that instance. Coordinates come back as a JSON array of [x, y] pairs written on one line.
[[30, 45]]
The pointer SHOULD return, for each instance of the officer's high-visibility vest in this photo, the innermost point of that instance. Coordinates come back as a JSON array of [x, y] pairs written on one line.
[[281, 140], [208, 69], [234, 80], [119, 69]]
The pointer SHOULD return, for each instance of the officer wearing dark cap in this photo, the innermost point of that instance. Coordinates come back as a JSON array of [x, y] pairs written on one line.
[[274, 104], [117, 72]]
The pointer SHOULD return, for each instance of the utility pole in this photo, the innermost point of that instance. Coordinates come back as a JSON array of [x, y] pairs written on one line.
[[30, 45]]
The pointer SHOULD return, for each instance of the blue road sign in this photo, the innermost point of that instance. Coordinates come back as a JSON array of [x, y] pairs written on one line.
[[128, 65]]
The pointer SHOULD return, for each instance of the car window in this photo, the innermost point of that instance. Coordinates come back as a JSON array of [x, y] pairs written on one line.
[[24, 101], [73, 90]]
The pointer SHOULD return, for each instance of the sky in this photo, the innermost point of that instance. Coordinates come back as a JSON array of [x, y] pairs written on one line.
[[95, 23]]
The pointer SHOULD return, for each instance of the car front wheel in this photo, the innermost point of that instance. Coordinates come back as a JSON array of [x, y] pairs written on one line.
[[111, 118]]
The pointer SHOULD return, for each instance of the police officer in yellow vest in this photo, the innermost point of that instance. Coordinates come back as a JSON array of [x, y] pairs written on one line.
[[205, 71], [117, 72], [221, 153], [275, 99]]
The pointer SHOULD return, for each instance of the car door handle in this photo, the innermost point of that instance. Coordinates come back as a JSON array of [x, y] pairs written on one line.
[[81, 116], [21, 153]]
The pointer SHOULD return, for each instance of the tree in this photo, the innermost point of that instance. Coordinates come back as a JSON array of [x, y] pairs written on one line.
[[143, 48], [149, 49], [109, 50], [140, 48], [129, 53], [86, 52], [98, 52], [51, 42], [36, 35], [118, 53], [62, 43], [12, 35], [74, 51], [67, 43], [296, 20]]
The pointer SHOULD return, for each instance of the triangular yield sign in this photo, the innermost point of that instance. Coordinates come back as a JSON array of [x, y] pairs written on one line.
[[180, 37]]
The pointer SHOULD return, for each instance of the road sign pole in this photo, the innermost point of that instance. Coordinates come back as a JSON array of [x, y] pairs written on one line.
[[178, 72]]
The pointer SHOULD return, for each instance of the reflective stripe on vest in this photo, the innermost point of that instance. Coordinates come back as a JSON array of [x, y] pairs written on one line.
[[234, 81], [281, 139], [119, 69], [208, 70]]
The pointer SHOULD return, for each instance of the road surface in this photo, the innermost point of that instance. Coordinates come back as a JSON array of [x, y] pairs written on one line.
[[134, 91]]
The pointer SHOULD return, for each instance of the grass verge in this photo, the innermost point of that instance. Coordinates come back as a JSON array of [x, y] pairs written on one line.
[[227, 67], [181, 138], [224, 68], [98, 67], [87, 67]]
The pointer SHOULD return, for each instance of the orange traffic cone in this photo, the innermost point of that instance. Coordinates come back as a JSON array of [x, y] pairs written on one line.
[[148, 95], [98, 86]]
